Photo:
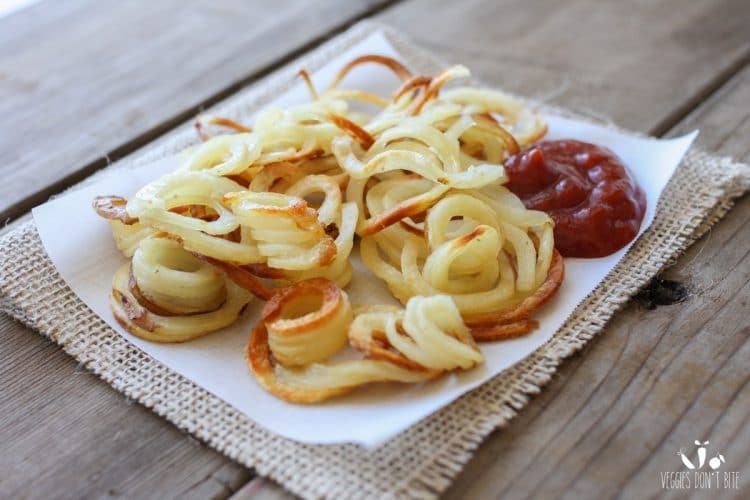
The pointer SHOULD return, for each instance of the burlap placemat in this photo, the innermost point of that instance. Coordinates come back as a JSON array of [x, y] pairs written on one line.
[[420, 462]]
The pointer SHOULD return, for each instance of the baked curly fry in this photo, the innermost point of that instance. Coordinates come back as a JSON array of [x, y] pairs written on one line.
[[167, 295], [307, 322], [273, 209]]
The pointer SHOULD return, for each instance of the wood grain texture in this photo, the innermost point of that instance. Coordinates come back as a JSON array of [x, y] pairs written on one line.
[[652, 382], [612, 417], [63, 433], [83, 82], [643, 63], [66, 434]]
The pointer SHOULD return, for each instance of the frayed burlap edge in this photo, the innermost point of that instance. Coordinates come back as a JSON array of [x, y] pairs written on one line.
[[422, 461]]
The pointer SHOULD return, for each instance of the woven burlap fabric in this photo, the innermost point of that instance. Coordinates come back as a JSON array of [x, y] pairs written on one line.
[[420, 462]]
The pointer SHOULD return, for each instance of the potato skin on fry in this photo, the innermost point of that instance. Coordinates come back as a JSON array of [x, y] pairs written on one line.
[[113, 208], [398, 345], [273, 210]]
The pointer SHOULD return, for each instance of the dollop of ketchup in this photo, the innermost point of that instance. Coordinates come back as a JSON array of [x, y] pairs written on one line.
[[595, 202]]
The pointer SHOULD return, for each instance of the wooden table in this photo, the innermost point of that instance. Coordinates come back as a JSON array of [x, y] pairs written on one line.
[[84, 82]]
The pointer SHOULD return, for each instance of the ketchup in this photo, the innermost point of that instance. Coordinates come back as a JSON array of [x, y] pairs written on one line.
[[595, 203]]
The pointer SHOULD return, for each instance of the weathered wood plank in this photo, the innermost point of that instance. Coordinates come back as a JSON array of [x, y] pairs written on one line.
[[65, 433], [653, 381], [262, 489], [85, 81], [642, 63], [536, 71]]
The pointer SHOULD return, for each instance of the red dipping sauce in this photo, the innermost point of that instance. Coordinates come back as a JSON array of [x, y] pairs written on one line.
[[595, 203]]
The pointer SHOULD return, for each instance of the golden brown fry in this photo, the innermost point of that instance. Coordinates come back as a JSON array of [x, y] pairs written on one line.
[[507, 137], [241, 276], [202, 121], [527, 306], [308, 82], [408, 208], [421, 181], [113, 208], [507, 331], [399, 69], [167, 295], [415, 82], [433, 88], [356, 132]]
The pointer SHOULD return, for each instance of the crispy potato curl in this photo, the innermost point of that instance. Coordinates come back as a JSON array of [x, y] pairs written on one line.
[[273, 209], [165, 294], [306, 323], [488, 253]]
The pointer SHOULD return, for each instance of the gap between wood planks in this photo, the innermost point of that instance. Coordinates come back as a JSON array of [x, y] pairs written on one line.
[[679, 114], [260, 488], [24, 205], [662, 128]]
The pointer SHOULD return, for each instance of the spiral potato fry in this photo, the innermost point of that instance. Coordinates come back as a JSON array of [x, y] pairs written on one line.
[[167, 295], [273, 209], [188, 205], [307, 322], [480, 251], [525, 125], [339, 270], [288, 233]]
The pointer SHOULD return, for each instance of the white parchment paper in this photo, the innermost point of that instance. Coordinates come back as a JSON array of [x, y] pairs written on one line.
[[81, 247]]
